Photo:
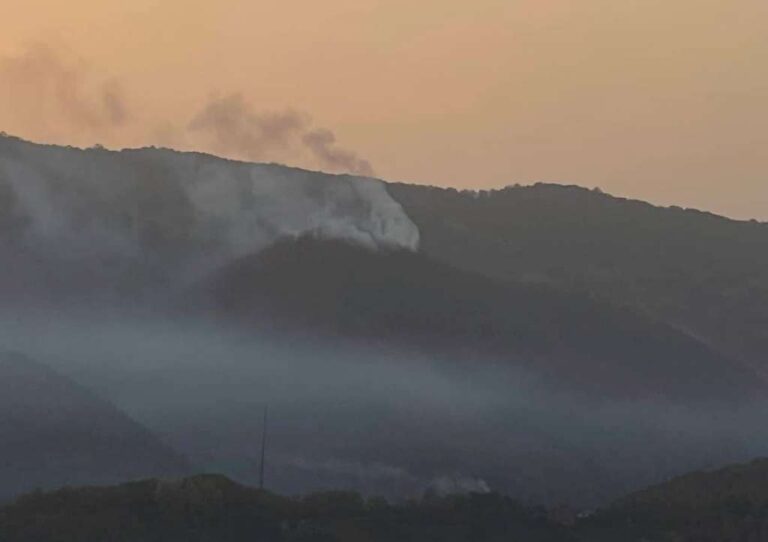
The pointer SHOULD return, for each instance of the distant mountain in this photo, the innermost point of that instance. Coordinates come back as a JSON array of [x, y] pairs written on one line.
[[704, 274], [724, 505], [408, 298], [54, 433]]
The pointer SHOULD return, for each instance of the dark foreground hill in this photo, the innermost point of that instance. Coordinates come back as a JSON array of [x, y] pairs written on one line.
[[401, 297], [703, 273], [54, 432], [214, 509], [725, 505]]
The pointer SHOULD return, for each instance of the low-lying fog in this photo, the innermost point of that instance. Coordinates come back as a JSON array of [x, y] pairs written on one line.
[[378, 420]]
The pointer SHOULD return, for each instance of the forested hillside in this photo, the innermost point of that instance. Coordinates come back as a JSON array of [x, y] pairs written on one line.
[[215, 509], [583, 344], [706, 274], [725, 505]]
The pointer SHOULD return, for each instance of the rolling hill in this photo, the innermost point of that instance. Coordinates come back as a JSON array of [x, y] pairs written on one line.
[[702, 273], [401, 297], [722, 505]]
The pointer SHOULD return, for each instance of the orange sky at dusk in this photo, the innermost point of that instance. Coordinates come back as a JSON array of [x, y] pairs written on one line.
[[664, 100]]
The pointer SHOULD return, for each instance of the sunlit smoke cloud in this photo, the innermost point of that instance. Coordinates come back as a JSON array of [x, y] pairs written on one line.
[[51, 93], [231, 126], [114, 103], [322, 143]]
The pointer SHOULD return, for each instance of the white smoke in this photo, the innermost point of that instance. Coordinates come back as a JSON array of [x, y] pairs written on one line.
[[458, 485], [186, 210], [257, 204]]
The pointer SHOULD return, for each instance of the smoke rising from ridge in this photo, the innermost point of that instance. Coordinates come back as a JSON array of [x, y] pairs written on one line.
[[322, 143], [231, 126], [55, 93], [50, 94], [177, 214]]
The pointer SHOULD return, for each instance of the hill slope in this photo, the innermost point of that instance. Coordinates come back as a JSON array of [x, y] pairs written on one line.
[[404, 297], [214, 509], [725, 505], [705, 274], [53, 432]]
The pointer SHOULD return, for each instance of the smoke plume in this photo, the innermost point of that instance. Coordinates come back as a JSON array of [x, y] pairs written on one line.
[[53, 94], [232, 127], [47, 93], [322, 143]]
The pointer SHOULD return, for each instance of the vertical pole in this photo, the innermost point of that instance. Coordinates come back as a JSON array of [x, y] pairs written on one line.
[[263, 448]]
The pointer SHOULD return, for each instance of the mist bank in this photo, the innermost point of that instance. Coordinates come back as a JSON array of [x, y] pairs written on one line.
[[373, 418]]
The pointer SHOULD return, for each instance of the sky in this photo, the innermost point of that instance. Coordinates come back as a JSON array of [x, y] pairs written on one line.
[[663, 100]]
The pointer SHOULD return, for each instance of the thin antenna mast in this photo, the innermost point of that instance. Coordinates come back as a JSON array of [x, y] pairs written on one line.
[[263, 448]]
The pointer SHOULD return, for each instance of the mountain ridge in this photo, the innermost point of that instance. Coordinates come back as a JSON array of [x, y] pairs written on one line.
[[699, 272]]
